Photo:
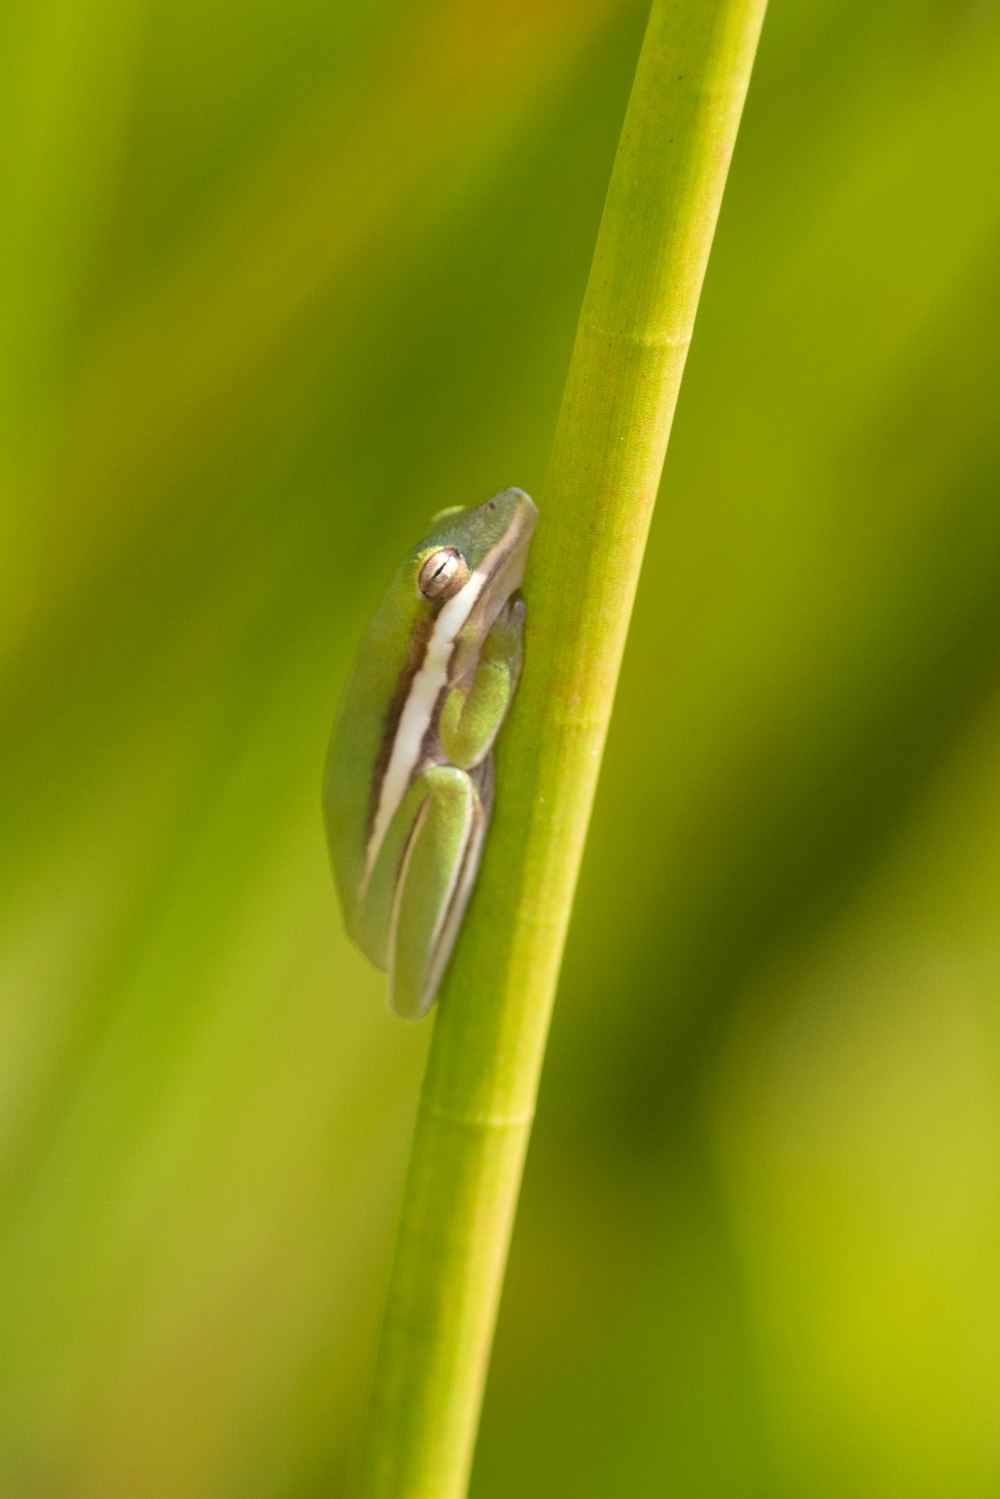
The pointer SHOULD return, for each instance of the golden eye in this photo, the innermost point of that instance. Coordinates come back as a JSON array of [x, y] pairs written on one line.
[[442, 575]]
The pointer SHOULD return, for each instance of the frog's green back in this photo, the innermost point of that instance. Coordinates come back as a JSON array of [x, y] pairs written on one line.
[[361, 728]]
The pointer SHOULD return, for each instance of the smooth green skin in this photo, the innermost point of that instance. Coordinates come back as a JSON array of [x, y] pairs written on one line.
[[404, 907]]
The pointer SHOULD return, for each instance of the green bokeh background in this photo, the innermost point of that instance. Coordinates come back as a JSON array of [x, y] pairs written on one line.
[[276, 282]]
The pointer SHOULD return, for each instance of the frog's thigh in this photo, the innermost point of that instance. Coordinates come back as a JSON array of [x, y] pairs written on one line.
[[434, 879]]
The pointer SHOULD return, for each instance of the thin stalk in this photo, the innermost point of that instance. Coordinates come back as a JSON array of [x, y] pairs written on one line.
[[486, 1053]]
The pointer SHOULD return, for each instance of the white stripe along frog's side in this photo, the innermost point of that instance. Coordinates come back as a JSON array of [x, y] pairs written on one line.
[[409, 776]]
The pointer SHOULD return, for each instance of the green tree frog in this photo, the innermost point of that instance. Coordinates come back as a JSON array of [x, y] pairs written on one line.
[[408, 785]]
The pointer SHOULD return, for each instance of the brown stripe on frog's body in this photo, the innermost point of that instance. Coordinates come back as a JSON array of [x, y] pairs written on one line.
[[419, 641], [423, 642], [431, 752]]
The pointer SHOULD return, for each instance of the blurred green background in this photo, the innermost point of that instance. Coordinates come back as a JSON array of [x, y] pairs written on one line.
[[276, 282]]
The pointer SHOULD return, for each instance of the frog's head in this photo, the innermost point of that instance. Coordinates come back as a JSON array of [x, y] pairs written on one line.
[[479, 545], [463, 572]]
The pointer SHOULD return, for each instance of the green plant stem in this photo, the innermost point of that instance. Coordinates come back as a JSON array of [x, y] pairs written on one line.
[[486, 1052]]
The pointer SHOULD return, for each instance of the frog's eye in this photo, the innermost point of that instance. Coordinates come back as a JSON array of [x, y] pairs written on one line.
[[443, 573]]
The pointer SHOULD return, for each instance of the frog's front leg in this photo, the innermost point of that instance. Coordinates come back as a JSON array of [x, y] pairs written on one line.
[[420, 883], [473, 711]]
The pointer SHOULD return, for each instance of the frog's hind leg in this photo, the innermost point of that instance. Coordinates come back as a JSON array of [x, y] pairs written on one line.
[[433, 884], [483, 778]]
